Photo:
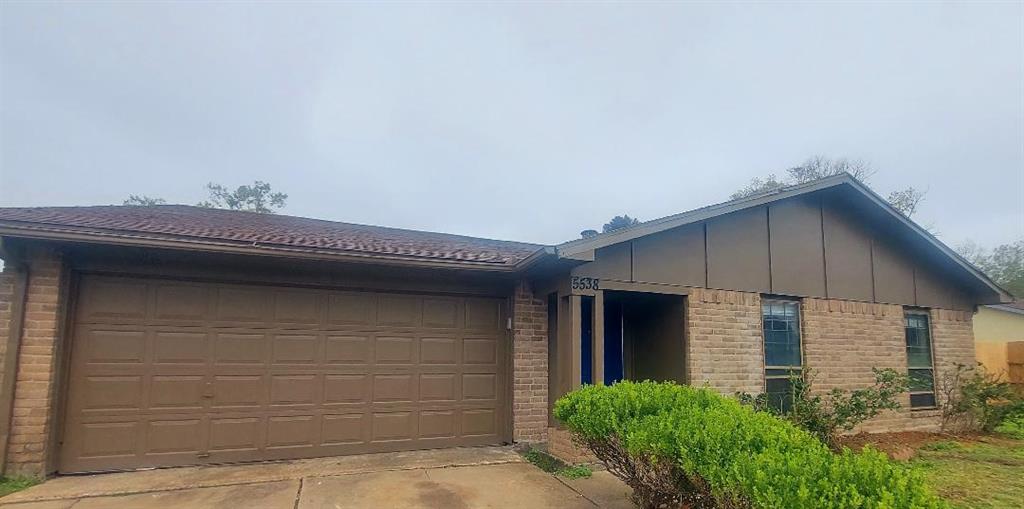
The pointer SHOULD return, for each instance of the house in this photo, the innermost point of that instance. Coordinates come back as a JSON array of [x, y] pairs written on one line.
[[999, 336], [172, 335]]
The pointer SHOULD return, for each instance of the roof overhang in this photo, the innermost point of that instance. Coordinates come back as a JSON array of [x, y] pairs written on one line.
[[132, 239], [584, 249], [1008, 309]]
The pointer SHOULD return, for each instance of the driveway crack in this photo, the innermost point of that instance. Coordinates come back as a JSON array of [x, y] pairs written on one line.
[[578, 492], [298, 494]]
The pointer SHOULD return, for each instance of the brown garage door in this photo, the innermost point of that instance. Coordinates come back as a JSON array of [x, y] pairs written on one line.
[[180, 373]]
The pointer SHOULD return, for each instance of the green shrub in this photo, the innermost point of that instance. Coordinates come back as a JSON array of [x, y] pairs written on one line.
[[681, 446], [826, 415], [10, 485], [1013, 423], [974, 399], [575, 472]]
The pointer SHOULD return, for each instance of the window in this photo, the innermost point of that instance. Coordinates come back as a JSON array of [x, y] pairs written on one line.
[[782, 359], [919, 360]]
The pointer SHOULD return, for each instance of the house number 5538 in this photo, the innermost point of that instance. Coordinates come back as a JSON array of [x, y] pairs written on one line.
[[585, 283]]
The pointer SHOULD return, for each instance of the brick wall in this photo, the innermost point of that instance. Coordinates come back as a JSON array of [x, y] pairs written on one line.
[[844, 340], [6, 295], [724, 346], [530, 366], [560, 445], [35, 389]]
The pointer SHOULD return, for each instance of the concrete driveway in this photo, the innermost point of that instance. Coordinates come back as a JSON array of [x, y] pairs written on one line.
[[493, 477]]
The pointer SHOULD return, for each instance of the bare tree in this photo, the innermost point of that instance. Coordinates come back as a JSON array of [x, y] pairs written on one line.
[[141, 200], [906, 200], [819, 167], [258, 197]]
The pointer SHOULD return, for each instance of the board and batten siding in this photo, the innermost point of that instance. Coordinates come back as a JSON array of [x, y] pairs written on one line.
[[805, 246]]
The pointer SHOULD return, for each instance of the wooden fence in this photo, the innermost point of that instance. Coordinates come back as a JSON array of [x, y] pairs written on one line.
[[1006, 358]]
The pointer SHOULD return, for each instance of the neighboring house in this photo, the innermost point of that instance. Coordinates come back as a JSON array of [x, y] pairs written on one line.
[[176, 335], [999, 339]]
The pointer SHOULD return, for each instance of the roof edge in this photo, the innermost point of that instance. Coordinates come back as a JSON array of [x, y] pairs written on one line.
[[93, 236], [583, 248], [1008, 309], [573, 247]]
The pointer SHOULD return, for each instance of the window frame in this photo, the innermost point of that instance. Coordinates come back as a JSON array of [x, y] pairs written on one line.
[[782, 372], [926, 315]]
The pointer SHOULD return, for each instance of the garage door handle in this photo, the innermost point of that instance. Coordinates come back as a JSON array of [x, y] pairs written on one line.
[[203, 455], [208, 390]]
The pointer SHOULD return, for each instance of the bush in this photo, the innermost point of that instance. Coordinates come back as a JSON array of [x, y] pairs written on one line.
[[825, 416], [974, 399], [1013, 424], [681, 446]]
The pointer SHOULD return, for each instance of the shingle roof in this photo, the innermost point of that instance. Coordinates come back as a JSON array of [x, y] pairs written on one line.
[[248, 228]]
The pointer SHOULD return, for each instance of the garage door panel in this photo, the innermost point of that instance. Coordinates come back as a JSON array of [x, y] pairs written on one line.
[[438, 387], [292, 431], [479, 422], [174, 436], [240, 304], [399, 311], [479, 351], [393, 388], [342, 429], [441, 313], [294, 389], [235, 434], [103, 393], [392, 426], [175, 301], [239, 348], [288, 349], [483, 314], [479, 386], [180, 347], [210, 373], [109, 439], [347, 388], [438, 424], [113, 299], [439, 350], [352, 308], [394, 350], [177, 392], [115, 346], [233, 391], [297, 307], [348, 349]]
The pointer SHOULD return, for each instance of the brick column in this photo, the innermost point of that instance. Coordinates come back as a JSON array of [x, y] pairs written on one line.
[[6, 294], [529, 366], [32, 421], [723, 340]]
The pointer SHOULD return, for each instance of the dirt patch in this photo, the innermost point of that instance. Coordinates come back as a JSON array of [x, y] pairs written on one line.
[[900, 446]]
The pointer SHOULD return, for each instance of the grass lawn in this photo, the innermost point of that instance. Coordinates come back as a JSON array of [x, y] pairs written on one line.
[[970, 472], [984, 473], [8, 486]]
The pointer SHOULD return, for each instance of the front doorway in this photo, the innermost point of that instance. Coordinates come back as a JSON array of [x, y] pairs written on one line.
[[643, 337]]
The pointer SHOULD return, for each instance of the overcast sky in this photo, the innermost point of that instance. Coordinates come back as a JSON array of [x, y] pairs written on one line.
[[525, 122]]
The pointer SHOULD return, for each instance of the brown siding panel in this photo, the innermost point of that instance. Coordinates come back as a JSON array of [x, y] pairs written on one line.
[[894, 275], [612, 262], [932, 291], [674, 256], [798, 263], [738, 257], [847, 256]]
